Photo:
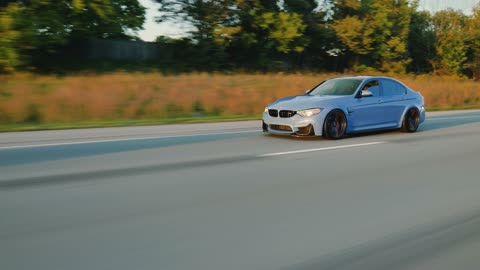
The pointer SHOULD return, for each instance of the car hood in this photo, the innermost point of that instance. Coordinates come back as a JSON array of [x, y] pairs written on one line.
[[303, 102]]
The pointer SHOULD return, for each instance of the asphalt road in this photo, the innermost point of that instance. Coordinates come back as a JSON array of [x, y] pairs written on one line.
[[225, 196]]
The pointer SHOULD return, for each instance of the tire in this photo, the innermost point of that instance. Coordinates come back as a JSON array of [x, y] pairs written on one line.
[[335, 125], [411, 120]]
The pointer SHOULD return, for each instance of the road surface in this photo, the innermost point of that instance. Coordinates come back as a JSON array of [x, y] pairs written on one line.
[[225, 196]]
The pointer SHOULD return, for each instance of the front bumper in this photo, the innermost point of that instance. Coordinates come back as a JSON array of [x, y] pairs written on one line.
[[295, 125], [422, 116]]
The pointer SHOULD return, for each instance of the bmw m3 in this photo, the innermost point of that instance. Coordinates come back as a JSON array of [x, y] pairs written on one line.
[[346, 105]]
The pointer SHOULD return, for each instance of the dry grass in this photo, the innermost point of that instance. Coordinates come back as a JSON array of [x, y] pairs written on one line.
[[122, 96], [445, 92]]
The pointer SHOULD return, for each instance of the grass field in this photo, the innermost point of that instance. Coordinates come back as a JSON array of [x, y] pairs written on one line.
[[30, 101]]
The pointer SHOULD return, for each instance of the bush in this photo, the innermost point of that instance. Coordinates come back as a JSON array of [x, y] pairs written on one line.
[[33, 114], [197, 108], [174, 111]]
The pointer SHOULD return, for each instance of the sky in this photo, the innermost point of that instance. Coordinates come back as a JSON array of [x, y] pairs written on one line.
[[153, 29]]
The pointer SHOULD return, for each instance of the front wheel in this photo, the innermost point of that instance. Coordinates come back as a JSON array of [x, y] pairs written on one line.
[[335, 125], [411, 121]]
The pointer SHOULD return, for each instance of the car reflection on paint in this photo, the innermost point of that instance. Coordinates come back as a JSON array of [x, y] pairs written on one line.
[[346, 105]]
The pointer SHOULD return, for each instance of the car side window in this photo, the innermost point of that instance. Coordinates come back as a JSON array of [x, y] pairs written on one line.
[[373, 87], [392, 88]]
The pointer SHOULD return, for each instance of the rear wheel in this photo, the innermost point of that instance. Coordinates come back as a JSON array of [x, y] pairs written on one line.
[[411, 121], [335, 125]]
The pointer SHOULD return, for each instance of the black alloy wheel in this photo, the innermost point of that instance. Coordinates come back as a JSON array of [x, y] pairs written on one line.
[[335, 125], [411, 121]]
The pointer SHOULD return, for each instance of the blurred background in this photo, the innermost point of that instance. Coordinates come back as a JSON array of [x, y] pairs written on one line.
[[69, 63]]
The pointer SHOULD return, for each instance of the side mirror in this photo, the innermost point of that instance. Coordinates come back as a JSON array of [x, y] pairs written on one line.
[[366, 93]]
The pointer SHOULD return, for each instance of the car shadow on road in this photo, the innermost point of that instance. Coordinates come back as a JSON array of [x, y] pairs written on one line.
[[434, 123], [294, 137]]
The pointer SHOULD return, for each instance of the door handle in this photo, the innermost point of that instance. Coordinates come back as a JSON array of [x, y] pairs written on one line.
[[380, 101]]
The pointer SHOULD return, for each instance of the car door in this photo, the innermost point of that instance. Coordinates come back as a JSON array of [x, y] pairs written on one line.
[[394, 95], [367, 112]]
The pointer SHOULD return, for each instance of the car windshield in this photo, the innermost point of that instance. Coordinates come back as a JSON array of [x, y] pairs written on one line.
[[337, 87]]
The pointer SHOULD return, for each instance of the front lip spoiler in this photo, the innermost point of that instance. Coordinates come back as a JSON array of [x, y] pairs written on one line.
[[305, 131], [296, 131]]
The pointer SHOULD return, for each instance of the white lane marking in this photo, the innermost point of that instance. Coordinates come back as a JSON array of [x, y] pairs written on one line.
[[453, 117], [128, 139], [319, 149]]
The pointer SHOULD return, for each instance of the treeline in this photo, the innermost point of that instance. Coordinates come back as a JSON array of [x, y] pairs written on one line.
[[34, 34], [354, 35], [258, 35]]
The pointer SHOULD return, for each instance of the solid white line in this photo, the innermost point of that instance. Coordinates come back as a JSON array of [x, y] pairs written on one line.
[[453, 117], [129, 139], [319, 149]]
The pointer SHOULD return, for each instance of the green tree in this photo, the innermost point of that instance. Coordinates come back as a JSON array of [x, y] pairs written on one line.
[[46, 25], [392, 21], [165, 40], [269, 34], [205, 16], [9, 54], [318, 39], [281, 29], [421, 41], [355, 34], [473, 42], [375, 31], [106, 19], [244, 30], [213, 26], [451, 49]]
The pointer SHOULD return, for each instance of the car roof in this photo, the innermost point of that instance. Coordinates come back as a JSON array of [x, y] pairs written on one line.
[[368, 77], [364, 77]]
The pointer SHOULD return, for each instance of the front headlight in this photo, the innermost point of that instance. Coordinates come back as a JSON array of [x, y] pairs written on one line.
[[265, 110], [422, 109], [309, 112]]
